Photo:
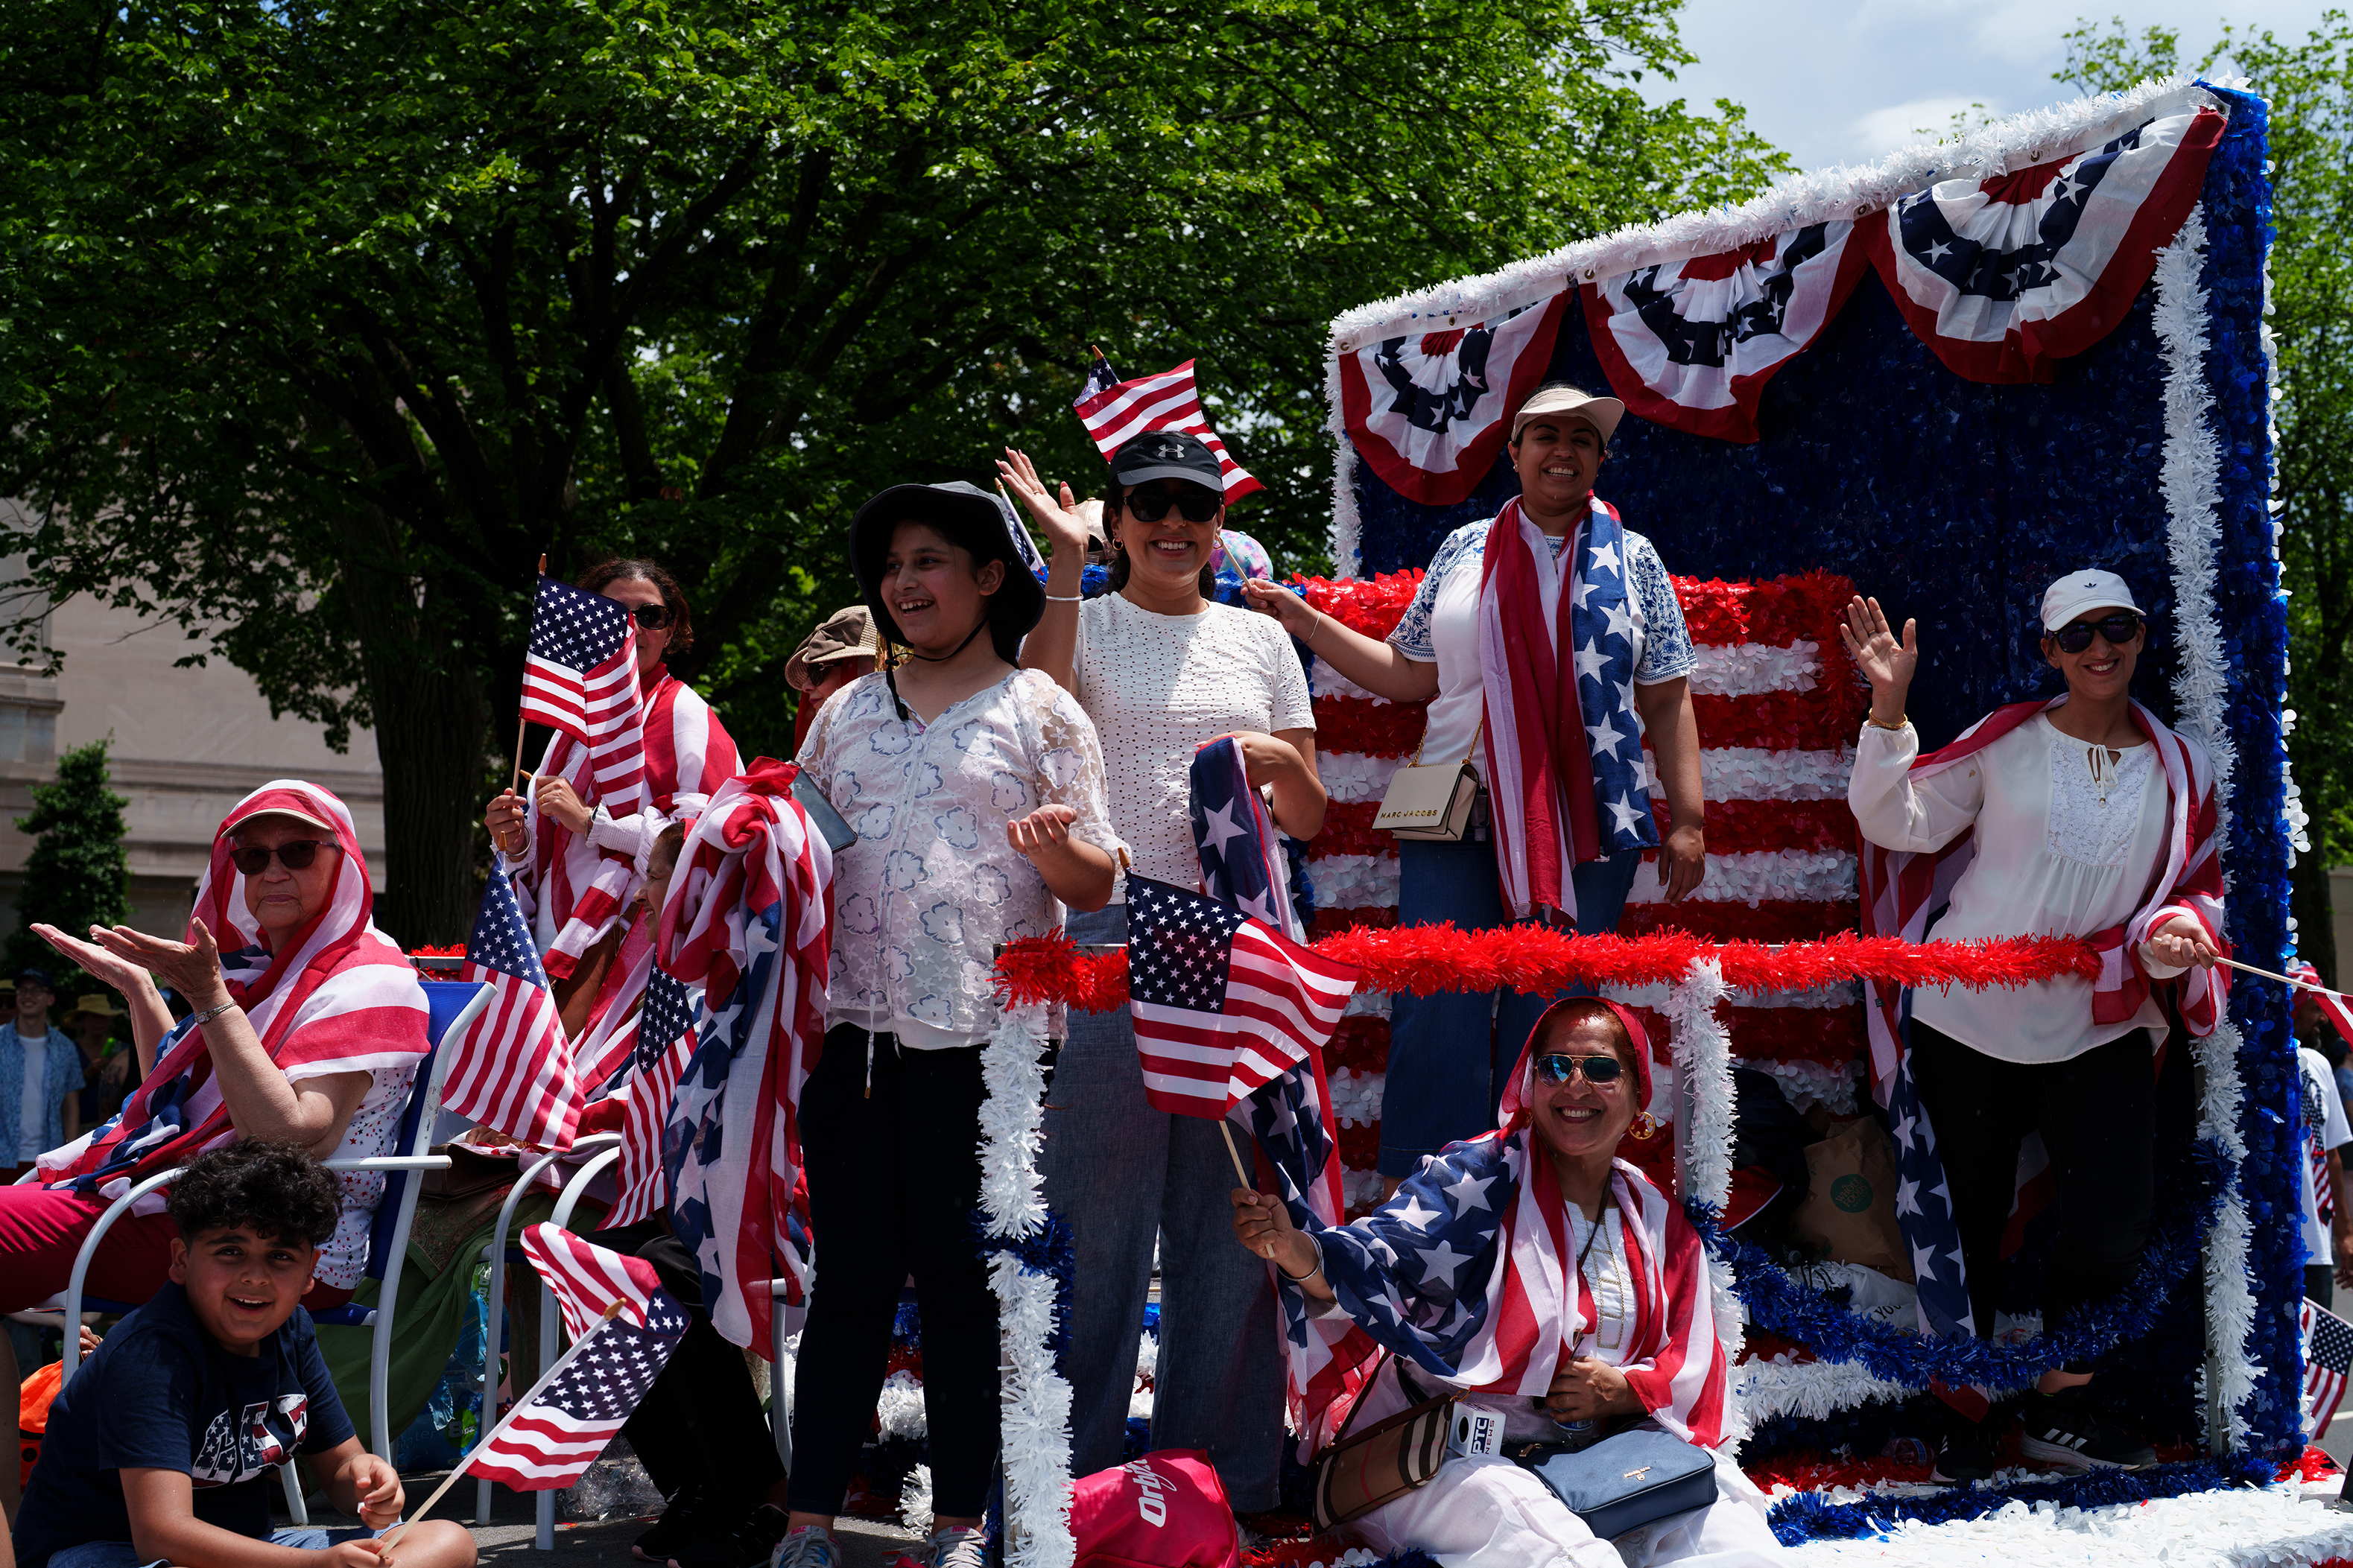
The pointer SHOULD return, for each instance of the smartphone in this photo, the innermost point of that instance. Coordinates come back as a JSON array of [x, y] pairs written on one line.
[[838, 834]]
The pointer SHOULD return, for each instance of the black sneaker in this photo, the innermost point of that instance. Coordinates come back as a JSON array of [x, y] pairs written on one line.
[[2064, 1429], [743, 1544], [1969, 1452], [679, 1523]]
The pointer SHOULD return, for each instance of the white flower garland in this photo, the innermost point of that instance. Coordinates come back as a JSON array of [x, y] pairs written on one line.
[[1034, 1400], [1323, 680], [1817, 876], [2188, 481], [1752, 668], [1753, 773], [1355, 881], [1354, 776], [1806, 1084]]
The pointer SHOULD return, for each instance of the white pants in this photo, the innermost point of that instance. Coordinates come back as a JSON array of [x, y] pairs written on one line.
[[1491, 1513]]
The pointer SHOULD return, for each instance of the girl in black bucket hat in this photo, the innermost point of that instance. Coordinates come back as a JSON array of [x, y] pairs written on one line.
[[975, 792]]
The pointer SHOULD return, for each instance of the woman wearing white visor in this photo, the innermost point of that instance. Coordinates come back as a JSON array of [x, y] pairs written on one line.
[[2081, 815]]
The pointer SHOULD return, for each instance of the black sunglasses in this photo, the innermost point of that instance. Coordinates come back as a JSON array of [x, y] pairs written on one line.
[[1195, 504], [653, 617], [1555, 1068], [295, 854], [2077, 635]]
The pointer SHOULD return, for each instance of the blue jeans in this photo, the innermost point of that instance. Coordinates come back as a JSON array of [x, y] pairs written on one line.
[[1448, 1052], [122, 1554]]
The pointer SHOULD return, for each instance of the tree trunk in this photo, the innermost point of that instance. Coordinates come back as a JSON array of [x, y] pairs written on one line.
[[429, 739]]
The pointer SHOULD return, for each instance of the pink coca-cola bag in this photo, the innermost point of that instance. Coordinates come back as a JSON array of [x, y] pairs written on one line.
[[1165, 1510]]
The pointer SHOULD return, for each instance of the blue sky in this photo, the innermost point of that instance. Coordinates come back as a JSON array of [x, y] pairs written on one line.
[[1835, 81]]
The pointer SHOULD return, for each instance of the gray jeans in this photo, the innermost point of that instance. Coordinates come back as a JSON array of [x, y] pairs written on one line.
[[1121, 1174]]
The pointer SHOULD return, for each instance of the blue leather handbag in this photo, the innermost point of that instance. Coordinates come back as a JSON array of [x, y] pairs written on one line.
[[1624, 1482]]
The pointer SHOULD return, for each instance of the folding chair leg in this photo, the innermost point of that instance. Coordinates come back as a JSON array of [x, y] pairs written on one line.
[[296, 1511]]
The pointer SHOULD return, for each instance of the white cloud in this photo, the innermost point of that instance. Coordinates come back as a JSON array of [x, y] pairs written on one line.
[[1920, 120]]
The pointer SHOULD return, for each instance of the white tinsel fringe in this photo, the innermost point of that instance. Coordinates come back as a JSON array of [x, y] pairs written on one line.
[[1034, 1413], [2003, 147], [1012, 1123], [1354, 776], [2201, 690], [2227, 1529], [1703, 1060], [900, 1410], [1753, 773], [1347, 529], [1817, 876], [1751, 669], [915, 1500], [1812, 1390]]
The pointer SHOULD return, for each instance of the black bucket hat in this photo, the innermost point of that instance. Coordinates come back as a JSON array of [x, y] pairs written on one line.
[[965, 515]]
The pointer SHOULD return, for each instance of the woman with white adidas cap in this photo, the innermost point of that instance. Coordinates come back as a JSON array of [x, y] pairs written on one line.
[[2080, 814]]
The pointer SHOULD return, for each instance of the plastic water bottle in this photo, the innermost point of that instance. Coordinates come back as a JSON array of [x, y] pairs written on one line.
[[1581, 1434]]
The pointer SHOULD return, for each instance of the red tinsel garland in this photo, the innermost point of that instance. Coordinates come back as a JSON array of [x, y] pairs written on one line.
[[455, 950], [1804, 607], [1373, 607], [1426, 959]]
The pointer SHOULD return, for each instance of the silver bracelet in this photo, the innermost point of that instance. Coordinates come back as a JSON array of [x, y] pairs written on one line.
[[1065, 598], [209, 1014]]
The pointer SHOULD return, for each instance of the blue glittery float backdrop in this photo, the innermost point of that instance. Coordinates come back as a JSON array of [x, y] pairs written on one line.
[[1956, 503]]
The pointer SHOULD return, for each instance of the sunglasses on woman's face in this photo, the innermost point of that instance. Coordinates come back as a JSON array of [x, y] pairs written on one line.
[[1193, 503], [1556, 1068], [652, 618], [295, 854], [2077, 635]]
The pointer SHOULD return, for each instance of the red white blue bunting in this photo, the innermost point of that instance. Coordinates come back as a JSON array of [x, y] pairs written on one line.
[[1426, 410], [1691, 343], [2002, 277]]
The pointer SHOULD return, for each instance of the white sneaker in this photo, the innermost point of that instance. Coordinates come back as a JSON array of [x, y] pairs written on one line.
[[808, 1547], [955, 1547]]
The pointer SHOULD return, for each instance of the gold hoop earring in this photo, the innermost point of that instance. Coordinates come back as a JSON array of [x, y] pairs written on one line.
[[1646, 1127]]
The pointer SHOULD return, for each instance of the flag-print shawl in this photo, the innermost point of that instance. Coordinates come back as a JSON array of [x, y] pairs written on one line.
[[748, 917], [338, 997], [1468, 1273], [1562, 744], [571, 890], [1901, 891]]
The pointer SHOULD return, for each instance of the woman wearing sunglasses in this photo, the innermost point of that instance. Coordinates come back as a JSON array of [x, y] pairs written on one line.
[[1162, 669], [562, 847], [2078, 816], [308, 1027], [1532, 1274]]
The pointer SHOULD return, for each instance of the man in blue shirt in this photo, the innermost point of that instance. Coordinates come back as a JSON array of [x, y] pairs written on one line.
[[163, 1448], [40, 1068]]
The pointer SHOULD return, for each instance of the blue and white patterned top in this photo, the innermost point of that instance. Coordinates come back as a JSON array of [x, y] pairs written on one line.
[[1442, 626]]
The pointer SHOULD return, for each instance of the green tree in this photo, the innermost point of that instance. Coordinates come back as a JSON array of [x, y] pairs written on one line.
[[76, 877], [322, 321], [2308, 84]]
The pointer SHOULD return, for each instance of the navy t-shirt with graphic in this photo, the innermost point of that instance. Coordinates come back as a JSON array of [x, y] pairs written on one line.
[[161, 1394]]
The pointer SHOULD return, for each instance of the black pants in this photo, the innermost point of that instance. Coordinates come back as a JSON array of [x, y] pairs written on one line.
[[702, 1420], [893, 1184], [2097, 1115]]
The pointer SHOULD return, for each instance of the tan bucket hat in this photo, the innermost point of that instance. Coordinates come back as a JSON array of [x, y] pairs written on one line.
[[847, 633]]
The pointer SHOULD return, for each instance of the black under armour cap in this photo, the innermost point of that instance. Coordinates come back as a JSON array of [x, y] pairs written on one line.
[[1167, 455]]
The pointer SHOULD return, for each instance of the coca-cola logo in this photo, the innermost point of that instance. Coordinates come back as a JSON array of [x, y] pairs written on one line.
[[1149, 1485]]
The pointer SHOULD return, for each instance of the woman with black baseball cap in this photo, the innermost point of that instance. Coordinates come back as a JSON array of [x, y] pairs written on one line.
[[1162, 669], [977, 793]]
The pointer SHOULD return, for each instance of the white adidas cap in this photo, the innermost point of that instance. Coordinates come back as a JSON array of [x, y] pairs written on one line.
[[2079, 591]]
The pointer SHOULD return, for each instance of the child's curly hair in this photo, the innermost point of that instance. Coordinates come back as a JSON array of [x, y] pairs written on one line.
[[278, 1189]]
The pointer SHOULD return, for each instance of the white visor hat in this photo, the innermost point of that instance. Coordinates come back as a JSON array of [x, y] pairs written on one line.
[[1601, 413], [2080, 591]]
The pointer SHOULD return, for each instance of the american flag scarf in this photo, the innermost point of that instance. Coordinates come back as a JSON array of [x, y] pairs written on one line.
[[1903, 891], [1564, 750], [747, 918], [1242, 862], [573, 890], [337, 997], [1468, 1273]]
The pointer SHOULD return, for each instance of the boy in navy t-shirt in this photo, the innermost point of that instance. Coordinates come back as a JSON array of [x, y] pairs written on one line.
[[163, 1447]]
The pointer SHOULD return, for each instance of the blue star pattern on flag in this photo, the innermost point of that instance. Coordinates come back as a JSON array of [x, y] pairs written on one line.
[[1242, 862], [665, 1039], [1924, 1212], [558, 1431], [1603, 630], [513, 1068]]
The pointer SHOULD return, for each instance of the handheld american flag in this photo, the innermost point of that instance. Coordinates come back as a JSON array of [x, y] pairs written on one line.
[[666, 1033], [512, 1069], [1223, 1006], [631, 1326], [1113, 411], [2327, 1363]]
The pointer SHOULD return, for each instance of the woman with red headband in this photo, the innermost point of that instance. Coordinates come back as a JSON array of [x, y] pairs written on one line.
[[308, 1026], [1593, 1305], [577, 866]]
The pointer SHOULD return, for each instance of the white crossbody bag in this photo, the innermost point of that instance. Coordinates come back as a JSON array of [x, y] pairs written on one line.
[[1437, 801]]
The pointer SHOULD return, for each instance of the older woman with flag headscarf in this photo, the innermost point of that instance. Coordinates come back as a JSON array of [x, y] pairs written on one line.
[[1531, 1273], [576, 865], [1548, 643], [309, 1027]]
